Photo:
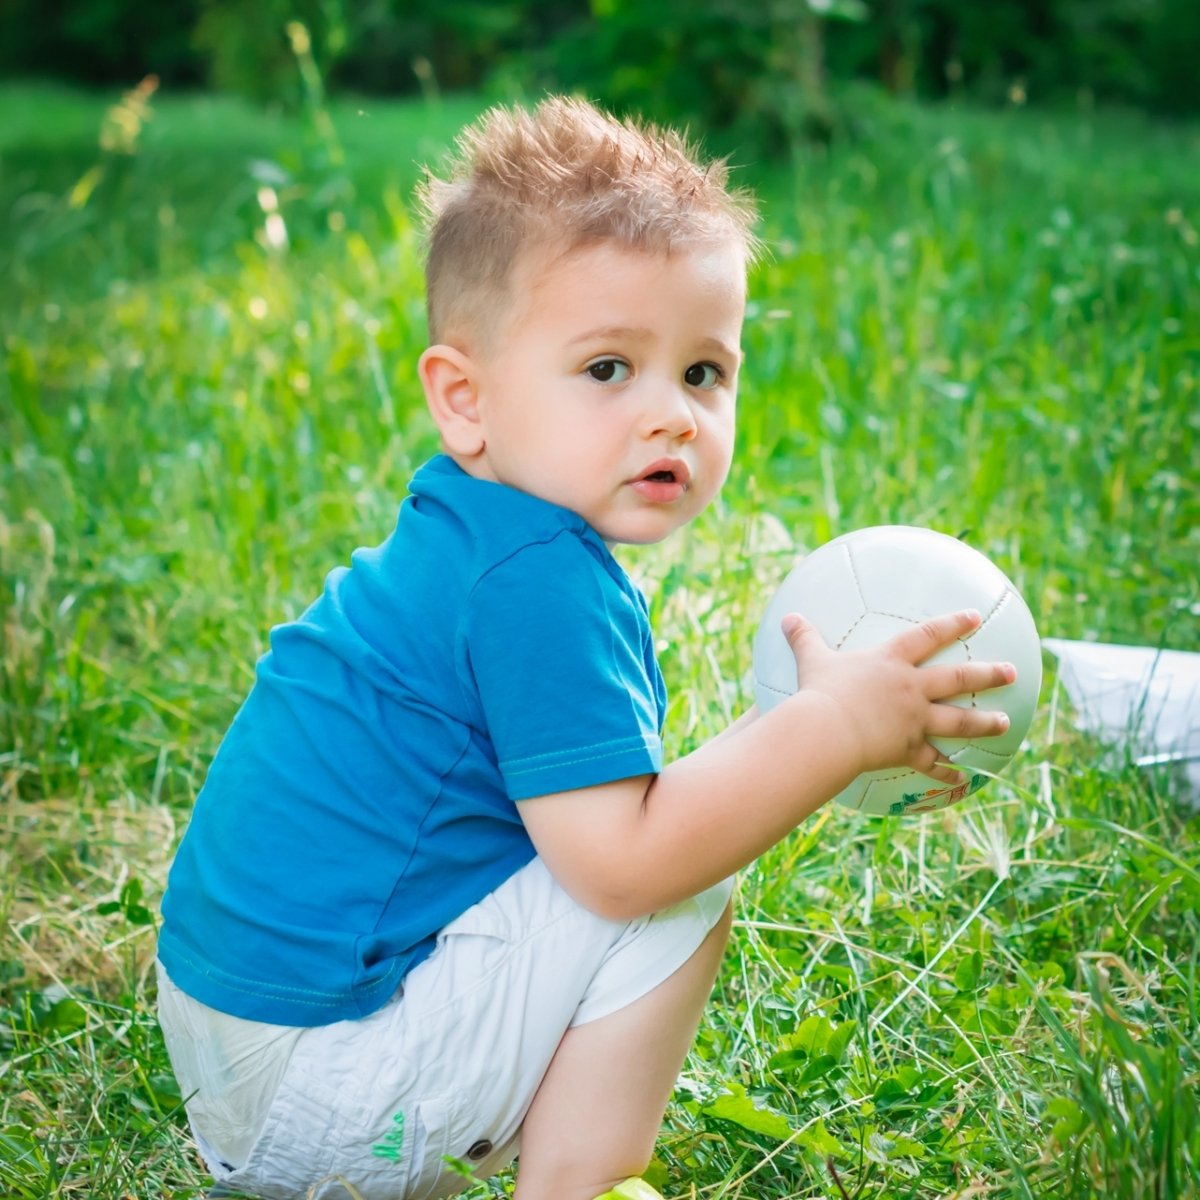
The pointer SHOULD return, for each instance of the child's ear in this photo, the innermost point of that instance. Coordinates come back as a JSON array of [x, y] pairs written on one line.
[[448, 377]]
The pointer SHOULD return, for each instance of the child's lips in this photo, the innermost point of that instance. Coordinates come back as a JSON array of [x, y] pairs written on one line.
[[663, 481]]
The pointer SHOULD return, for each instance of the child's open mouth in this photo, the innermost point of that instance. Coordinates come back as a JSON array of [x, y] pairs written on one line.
[[663, 482]]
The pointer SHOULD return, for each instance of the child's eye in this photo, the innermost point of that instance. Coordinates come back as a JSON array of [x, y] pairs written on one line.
[[608, 370], [703, 375]]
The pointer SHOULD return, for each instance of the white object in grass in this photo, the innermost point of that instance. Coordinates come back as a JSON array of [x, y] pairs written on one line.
[[1143, 699], [865, 587]]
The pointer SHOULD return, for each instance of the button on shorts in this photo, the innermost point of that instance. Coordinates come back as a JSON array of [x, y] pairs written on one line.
[[448, 1067]]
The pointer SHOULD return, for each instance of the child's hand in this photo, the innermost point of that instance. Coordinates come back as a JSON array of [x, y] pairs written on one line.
[[890, 703], [636, 845]]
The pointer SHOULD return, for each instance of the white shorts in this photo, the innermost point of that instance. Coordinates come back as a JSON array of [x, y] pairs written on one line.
[[449, 1066]]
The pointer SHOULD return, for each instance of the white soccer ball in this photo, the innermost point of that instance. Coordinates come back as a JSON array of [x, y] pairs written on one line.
[[867, 586]]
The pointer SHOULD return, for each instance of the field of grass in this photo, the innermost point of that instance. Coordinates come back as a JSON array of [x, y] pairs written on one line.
[[977, 322]]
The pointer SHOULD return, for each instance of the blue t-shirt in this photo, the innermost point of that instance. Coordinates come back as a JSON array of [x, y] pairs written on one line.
[[490, 650]]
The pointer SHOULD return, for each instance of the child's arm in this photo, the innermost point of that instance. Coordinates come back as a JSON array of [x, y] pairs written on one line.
[[637, 845]]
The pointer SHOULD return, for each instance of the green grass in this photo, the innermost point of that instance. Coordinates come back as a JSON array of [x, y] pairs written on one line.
[[982, 322]]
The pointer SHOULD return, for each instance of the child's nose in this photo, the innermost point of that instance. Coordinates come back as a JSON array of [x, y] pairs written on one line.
[[672, 414]]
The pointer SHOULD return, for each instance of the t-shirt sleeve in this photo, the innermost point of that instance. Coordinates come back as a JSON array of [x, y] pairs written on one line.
[[567, 684]]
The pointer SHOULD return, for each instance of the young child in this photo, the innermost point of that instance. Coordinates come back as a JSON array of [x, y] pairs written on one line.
[[440, 895]]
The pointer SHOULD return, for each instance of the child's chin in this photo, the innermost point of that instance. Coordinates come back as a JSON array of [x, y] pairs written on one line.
[[638, 533]]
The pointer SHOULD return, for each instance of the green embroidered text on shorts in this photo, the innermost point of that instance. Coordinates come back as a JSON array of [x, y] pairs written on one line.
[[392, 1142]]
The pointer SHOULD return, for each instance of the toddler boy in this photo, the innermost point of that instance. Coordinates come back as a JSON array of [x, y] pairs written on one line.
[[440, 896]]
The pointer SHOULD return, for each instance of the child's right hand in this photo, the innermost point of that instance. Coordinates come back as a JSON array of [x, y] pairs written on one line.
[[637, 845], [889, 705]]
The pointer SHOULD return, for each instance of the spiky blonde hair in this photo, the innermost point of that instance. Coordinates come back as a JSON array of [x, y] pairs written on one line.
[[562, 176]]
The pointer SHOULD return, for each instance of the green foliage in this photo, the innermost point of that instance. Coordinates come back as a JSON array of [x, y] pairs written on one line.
[[968, 320], [767, 72], [100, 41], [1123, 50], [129, 904], [753, 75], [249, 50], [403, 45]]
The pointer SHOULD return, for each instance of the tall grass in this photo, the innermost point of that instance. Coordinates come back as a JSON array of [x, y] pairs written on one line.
[[978, 322]]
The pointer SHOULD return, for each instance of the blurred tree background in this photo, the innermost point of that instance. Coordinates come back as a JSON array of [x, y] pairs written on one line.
[[761, 72]]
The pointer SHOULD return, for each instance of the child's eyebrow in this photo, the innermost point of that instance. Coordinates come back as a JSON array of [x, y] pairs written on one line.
[[612, 333], [712, 343], [631, 333]]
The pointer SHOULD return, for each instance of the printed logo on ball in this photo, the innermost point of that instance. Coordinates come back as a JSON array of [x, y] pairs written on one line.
[[944, 795]]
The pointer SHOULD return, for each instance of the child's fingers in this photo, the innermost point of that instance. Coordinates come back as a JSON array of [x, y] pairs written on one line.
[[800, 633], [950, 721], [921, 641], [964, 679], [929, 761]]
